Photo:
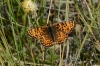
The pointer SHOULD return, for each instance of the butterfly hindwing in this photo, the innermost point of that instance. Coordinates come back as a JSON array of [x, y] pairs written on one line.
[[59, 36], [46, 38]]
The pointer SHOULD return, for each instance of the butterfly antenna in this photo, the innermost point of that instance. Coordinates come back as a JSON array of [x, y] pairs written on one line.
[[49, 12]]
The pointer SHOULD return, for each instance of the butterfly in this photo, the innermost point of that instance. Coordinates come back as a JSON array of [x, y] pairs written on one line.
[[55, 33]]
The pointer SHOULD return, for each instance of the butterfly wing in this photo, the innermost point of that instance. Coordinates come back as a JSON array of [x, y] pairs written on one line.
[[42, 34], [35, 32], [61, 30], [46, 38], [59, 36]]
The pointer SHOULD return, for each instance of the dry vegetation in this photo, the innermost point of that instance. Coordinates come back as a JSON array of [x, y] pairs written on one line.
[[82, 48]]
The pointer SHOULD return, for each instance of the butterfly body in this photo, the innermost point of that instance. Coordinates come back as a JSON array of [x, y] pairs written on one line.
[[55, 33], [50, 32]]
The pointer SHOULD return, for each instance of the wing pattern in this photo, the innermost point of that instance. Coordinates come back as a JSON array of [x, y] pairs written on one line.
[[59, 31]]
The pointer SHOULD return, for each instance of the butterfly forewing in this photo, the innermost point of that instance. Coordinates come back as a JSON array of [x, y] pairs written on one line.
[[64, 26], [36, 32]]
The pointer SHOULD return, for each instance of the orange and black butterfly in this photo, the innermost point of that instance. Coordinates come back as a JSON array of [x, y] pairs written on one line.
[[55, 33]]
